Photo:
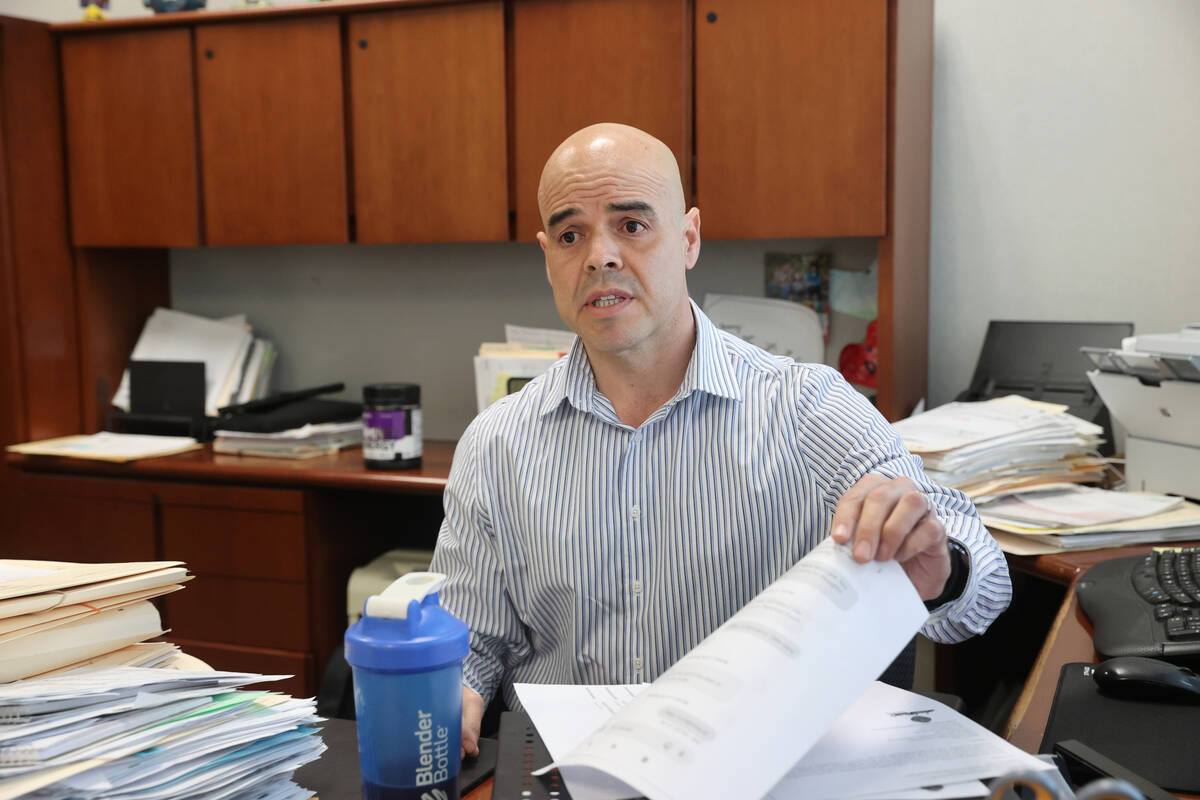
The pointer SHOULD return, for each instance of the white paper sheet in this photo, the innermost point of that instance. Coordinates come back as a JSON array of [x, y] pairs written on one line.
[[892, 739], [828, 624], [171, 335]]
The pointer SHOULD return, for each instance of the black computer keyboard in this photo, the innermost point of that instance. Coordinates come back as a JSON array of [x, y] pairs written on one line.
[[1145, 605]]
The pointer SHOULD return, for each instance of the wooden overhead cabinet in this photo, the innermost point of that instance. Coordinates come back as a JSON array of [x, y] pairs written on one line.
[[131, 138], [272, 140], [791, 117], [584, 61], [427, 111]]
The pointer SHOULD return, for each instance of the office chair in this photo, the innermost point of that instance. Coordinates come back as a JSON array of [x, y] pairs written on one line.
[[782, 327]]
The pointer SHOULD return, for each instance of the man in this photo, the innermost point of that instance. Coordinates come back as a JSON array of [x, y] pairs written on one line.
[[604, 520]]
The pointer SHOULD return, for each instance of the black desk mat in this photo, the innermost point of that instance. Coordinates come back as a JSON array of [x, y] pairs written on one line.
[[336, 774], [1155, 740]]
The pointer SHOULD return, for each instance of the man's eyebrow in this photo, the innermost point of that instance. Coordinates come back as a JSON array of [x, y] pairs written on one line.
[[559, 216], [633, 205]]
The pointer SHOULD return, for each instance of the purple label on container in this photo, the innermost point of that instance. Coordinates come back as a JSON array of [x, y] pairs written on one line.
[[385, 424]]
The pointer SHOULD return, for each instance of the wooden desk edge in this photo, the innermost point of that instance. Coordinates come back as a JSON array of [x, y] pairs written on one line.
[[341, 470]]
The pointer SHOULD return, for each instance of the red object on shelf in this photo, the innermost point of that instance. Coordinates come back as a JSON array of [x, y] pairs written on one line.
[[857, 360]]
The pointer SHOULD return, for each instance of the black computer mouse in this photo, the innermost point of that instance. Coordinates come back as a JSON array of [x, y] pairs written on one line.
[[1139, 678]]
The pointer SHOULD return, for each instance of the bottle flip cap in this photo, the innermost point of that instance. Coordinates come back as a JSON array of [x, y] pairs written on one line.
[[394, 601], [404, 629]]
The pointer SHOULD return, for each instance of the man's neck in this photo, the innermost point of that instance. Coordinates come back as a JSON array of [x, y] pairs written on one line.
[[637, 385]]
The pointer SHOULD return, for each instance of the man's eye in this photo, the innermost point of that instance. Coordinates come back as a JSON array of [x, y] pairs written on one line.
[[633, 226], [569, 237]]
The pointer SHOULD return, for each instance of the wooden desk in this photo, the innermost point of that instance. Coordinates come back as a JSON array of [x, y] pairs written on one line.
[[341, 470], [267, 539], [1069, 640]]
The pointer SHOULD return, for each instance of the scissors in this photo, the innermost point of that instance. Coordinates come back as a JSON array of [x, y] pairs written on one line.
[[1050, 785]]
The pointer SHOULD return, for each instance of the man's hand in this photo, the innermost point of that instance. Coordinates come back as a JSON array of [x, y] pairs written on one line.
[[893, 519], [472, 719]]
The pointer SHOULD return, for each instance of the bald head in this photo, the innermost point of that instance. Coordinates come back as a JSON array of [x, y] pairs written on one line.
[[611, 151]]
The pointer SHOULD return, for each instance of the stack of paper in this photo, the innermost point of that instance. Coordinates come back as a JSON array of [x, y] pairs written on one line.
[[138, 733], [308, 441], [502, 368], [1069, 517], [995, 446], [237, 367], [56, 614]]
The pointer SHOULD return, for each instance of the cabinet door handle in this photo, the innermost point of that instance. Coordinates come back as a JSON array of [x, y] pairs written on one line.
[[711, 16], [362, 44], [208, 53]]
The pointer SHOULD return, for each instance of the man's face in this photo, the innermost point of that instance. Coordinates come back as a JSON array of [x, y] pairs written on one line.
[[617, 247]]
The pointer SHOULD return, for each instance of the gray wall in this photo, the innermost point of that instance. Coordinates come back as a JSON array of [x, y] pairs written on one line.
[[418, 313], [1066, 169]]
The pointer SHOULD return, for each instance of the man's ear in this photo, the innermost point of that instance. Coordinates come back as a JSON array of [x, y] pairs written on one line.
[[543, 241], [691, 238]]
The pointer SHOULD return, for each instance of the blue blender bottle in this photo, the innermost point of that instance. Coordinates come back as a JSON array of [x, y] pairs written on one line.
[[407, 653]]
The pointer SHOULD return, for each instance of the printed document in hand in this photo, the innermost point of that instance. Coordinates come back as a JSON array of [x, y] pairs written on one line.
[[734, 715]]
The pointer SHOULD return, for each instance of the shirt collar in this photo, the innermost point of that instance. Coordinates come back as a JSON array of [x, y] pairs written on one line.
[[708, 371]]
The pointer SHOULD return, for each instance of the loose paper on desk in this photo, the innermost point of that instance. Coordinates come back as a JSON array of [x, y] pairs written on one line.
[[732, 716], [1063, 507], [889, 738], [1180, 523], [108, 446]]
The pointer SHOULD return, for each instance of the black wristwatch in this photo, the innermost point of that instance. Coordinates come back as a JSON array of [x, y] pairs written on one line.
[[960, 571]]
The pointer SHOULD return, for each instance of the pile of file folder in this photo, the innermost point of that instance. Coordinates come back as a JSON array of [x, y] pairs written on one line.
[[92, 709], [991, 447]]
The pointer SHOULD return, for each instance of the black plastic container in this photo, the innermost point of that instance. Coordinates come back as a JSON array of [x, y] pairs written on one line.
[[392, 425]]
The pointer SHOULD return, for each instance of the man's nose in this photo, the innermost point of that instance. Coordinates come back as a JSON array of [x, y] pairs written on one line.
[[604, 253]]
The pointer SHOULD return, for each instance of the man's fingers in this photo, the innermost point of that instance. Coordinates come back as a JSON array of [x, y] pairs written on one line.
[[906, 514], [877, 509], [928, 534], [849, 508], [472, 718]]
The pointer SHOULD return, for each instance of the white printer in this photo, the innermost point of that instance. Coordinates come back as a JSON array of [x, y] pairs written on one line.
[[1151, 386]]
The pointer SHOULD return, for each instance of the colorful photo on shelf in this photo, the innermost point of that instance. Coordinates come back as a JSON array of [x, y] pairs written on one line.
[[801, 278]]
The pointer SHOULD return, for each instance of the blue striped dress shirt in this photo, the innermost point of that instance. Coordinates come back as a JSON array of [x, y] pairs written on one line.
[[581, 550]]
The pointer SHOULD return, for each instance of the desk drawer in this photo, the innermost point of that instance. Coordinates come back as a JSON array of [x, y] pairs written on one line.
[[266, 545], [63, 518], [258, 659], [240, 611]]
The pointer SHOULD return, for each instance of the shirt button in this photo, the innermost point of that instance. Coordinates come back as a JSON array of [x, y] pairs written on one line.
[[637, 587], [637, 663], [635, 512]]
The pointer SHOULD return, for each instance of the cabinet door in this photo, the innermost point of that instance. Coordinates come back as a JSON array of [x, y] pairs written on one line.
[[131, 138], [586, 61], [427, 108], [791, 117], [272, 143]]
